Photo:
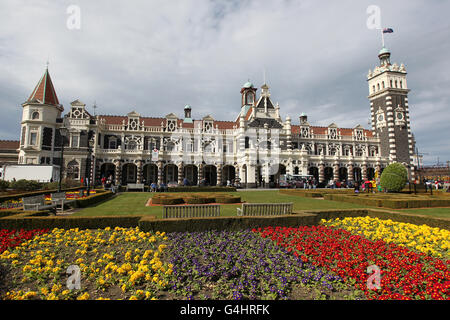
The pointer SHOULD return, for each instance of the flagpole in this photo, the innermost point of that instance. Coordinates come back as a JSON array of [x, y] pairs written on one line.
[[382, 37]]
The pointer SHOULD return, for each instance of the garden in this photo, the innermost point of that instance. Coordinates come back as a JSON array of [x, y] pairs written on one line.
[[326, 261]]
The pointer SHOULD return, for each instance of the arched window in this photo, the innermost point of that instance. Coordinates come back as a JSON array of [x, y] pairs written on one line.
[[73, 170], [373, 88], [35, 115], [391, 84], [378, 86], [383, 84], [401, 84], [396, 84]]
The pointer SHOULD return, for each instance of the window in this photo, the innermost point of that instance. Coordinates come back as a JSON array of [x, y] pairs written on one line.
[[112, 144], [378, 86], [131, 145], [249, 98], [73, 170], [383, 84], [391, 84], [373, 88], [247, 142], [33, 138], [74, 140], [35, 115], [401, 84]]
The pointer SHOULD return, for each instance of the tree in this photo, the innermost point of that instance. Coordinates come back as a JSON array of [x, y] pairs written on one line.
[[394, 177]]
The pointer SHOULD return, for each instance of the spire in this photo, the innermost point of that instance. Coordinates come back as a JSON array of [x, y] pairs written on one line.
[[44, 92]]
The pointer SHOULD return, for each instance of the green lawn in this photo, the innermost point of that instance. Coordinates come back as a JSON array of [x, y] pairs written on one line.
[[436, 212], [133, 203]]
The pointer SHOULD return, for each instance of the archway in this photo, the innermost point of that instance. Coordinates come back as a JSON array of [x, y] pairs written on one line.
[[228, 173], [370, 173], [108, 171], [170, 174], [343, 174], [73, 170], [150, 173], [328, 174], [129, 173], [314, 171], [191, 174], [210, 175]]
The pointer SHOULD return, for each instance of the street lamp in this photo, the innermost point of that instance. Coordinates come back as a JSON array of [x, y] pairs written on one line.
[[63, 131]]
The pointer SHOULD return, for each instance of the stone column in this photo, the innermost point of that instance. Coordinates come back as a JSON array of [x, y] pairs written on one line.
[[350, 172], [364, 172], [200, 173], [160, 172], [139, 172], [97, 172], [321, 172], [118, 172], [336, 172], [219, 174], [180, 173]]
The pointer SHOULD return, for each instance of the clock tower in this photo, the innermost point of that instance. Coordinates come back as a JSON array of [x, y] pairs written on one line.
[[388, 96]]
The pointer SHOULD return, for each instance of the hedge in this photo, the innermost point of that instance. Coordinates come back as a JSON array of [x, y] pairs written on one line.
[[32, 220], [34, 193], [67, 222], [202, 189], [389, 201], [91, 200]]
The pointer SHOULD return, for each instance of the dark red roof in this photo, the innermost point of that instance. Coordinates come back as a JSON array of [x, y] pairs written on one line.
[[44, 92], [9, 144]]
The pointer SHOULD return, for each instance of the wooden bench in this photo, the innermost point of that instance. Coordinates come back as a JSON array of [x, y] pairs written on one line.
[[36, 203], [135, 186], [59, 199], [191, 211], [265, 209]]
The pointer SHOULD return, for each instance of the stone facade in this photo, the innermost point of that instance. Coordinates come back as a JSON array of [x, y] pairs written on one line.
[[256, 148]]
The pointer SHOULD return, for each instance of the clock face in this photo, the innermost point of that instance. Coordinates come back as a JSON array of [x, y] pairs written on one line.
[[399, 116], [380, 117]]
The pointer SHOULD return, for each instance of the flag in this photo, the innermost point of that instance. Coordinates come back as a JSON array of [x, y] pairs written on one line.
[[388, 30]]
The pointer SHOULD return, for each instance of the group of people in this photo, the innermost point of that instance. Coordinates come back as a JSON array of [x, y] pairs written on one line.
[[364, 186]]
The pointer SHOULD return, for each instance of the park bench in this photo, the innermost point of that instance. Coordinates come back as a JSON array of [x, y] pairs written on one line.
[[135, 186], [265, 209], [36, 203], [59, 199], [191, 211]]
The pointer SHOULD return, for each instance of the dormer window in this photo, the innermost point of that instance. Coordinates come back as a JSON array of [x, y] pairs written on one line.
[[207, 126], [249, 98]]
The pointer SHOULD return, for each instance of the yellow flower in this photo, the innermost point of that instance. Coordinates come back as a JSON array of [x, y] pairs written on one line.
[[84, 296]]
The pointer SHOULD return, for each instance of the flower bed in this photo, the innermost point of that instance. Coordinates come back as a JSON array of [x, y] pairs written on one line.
[[115, 263], [241, 265], [404, 273], [193, 198], [12, 238], [433, 241]]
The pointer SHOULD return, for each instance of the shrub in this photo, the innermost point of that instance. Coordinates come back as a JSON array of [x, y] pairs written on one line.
[[25, 185], [4, 185], [228, 199], [394, 177]]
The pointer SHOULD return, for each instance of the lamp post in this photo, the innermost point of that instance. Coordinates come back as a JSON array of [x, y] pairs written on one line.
[[63, 131]]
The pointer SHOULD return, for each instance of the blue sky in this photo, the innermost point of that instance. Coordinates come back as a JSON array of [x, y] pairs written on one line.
[[157, 56]]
